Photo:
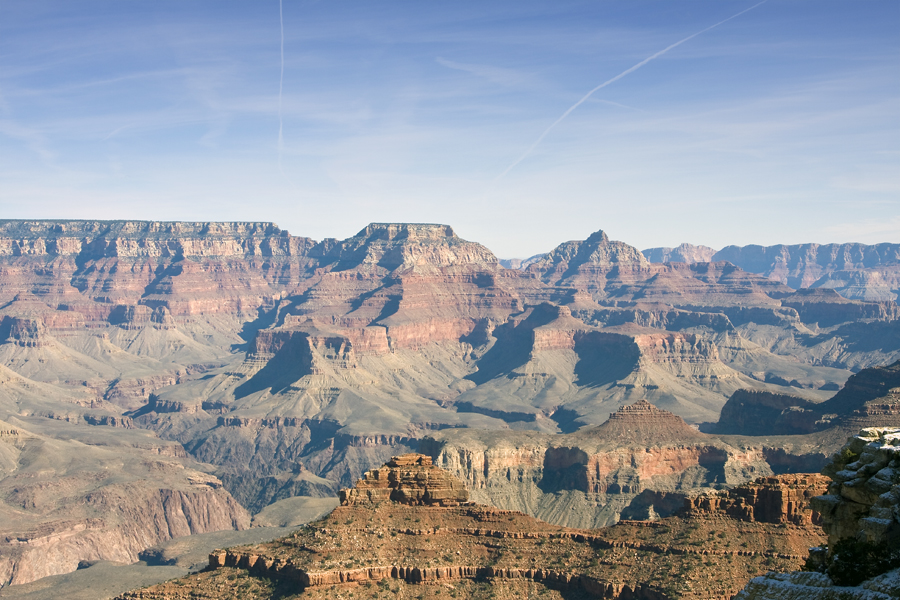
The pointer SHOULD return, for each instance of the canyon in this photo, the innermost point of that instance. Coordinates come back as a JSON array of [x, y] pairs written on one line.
[[177, 378]]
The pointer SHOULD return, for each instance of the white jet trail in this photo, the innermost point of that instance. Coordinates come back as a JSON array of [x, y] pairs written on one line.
[[613, 80], [281, 83]]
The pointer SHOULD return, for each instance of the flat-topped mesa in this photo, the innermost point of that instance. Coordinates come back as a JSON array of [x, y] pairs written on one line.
[[686, 253], [640, 410], [136, 239], [407, 479], [407, 231], [393, 246]]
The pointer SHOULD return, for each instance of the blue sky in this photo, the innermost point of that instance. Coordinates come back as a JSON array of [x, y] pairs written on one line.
[[780, 125]]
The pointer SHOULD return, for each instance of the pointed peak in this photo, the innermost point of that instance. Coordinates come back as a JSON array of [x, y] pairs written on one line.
[[598, 237]]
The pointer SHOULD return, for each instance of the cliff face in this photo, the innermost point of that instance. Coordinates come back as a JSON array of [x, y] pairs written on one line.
[[686, 253], [408, 479], [802, 265], [779, 499], [856, 271]]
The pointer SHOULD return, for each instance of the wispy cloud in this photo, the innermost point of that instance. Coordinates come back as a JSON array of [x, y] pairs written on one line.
[[613, 80], [168, 110], [499, 75], [34, 140]]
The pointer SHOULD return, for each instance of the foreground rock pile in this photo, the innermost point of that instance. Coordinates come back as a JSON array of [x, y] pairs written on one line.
[[384, 541], [861, 514], [863, 501]]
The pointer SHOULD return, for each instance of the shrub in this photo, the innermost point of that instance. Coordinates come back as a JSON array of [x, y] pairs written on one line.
[[852, 561]]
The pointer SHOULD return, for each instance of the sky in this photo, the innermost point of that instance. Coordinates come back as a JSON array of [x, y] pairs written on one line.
[[521, 124]]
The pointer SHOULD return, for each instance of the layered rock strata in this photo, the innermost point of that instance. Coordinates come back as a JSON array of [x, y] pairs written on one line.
[[407, 479], [625, 466], [686, 253], [810, 265], [868, 398], [778, 499], [294, 366]]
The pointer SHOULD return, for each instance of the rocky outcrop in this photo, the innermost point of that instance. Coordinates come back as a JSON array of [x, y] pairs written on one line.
[[778, 499], [407, 479], [863, 500], [798, 585]]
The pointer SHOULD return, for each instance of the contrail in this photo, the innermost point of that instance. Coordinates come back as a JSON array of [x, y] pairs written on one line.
[[281, 83], [613, 80]]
